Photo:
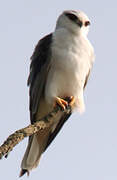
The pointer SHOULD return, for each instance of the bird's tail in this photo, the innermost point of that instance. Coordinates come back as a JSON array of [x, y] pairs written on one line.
[[35, 148]]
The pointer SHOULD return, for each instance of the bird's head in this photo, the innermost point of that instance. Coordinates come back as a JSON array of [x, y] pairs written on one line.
[[74, 21]]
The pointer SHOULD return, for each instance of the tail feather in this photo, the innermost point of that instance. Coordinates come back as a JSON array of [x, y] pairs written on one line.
[[23, 171], [39, 142], [35, 148], [31, 155]]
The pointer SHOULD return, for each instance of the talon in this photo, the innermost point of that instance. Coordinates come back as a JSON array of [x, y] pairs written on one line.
[[72, 100], [62, 103]]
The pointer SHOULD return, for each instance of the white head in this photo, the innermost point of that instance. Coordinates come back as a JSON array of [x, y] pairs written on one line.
[[74, 21]]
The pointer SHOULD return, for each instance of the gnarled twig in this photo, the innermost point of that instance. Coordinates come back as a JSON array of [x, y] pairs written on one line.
[[19, 135]]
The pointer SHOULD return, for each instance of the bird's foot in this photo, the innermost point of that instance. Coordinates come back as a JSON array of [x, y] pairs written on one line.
[[71, 100], [64, 103]]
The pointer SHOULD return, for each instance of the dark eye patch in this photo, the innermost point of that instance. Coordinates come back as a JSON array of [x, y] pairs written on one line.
[[71, 16], [74, 18]]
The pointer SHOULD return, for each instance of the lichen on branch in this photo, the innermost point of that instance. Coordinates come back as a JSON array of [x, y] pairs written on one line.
[[19, 135]]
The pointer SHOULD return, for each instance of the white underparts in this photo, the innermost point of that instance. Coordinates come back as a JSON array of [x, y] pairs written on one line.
[[71, 56]]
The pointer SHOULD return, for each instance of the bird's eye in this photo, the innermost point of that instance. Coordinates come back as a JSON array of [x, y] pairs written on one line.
[[87, 23], [74, 18], [71, 16]]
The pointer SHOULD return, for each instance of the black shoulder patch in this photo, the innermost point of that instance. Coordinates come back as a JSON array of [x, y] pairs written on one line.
[[39, 57]]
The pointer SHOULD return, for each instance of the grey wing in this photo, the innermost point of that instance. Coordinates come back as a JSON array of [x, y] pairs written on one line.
[[52, 136], [86, 79], [91, 65], [40, 64]]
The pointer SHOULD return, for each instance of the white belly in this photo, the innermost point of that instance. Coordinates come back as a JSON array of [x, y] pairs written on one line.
[[66, 78], [70, 65]]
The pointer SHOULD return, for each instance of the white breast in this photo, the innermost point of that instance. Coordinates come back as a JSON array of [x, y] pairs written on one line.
[[70, 64]]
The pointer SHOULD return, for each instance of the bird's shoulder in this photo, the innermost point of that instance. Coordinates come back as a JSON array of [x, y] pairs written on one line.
[[39, 56]]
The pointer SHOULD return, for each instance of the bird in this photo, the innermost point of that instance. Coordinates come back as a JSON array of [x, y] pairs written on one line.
[[60, 67]]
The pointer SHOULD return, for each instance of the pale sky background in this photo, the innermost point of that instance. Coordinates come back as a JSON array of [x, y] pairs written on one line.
[[86, 147]]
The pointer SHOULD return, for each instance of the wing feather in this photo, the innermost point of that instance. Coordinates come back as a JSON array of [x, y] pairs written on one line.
[[40, 64], [86, 79], [52, 136]]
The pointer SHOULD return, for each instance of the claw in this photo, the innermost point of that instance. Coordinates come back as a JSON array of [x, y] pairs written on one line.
[[72, 100], [62, 103]]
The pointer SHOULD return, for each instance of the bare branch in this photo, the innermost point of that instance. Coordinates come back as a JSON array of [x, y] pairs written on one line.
[[19, 135]]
